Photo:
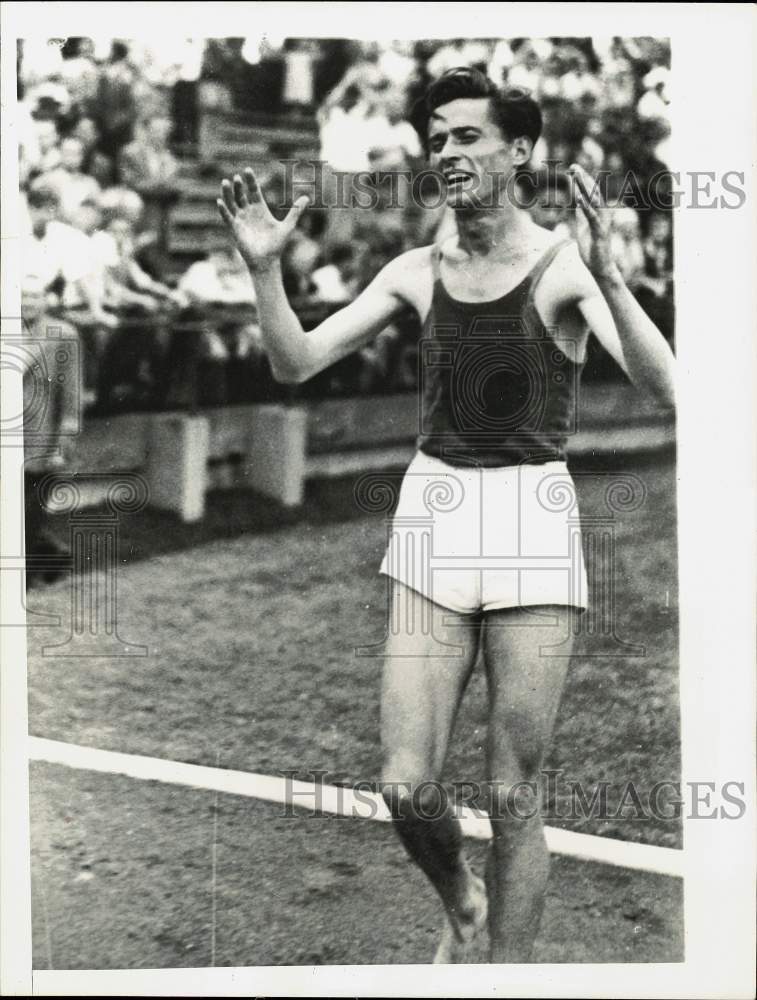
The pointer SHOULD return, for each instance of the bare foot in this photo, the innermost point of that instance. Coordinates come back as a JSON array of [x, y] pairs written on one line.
[[458, 936]]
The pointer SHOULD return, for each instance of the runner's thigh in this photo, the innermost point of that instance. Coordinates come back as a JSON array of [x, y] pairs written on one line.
[[525, 684], [429, 656]]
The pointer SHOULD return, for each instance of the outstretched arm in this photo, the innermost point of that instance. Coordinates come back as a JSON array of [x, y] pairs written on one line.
[[612, 312], [296, 356]]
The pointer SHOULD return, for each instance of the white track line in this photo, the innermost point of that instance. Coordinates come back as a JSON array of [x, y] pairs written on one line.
[[337, 801]]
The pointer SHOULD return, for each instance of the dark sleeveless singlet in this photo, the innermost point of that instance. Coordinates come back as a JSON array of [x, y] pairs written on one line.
[[496, 390]]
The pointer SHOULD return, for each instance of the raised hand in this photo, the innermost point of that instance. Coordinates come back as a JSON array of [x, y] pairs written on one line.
[[593, 234], [260, 237]]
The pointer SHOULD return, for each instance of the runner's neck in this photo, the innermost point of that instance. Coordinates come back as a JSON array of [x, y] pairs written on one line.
[[490, 232]]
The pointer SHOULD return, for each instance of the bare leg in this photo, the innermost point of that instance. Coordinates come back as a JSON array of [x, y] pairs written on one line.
[[421, 692], [525, 690]]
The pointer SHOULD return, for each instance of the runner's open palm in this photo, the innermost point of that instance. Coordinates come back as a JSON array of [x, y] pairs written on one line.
[[260, 237], [593, 231]]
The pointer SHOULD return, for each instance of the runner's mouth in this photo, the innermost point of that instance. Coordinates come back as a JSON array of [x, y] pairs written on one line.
[[457, 180]]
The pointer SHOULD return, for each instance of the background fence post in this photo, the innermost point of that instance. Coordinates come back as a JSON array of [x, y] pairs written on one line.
[[177, 459], [276, 456]]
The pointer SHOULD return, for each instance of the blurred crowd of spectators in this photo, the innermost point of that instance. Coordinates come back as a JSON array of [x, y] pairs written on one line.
[[99, 129], [106, 128]]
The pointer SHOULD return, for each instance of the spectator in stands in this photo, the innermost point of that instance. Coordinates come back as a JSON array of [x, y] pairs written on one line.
[[94, 163], [547, 195], [344, 122], [394, 140], [561, 153], [61, 257], [337, 282], [124, 203], [43, 151], [657, 245], [133, 364], [51, 418], [654, 288], [384, 234], [80, 74], [577, 84], [653, 110], [116, 103], [50, 99], [68, 180], [614, 169], [397, 63], [550, 76], [119, 285], [184, 97], [653, 104], [230, 346], [40, 61], [148, 166], [625, 243], [116, 247], [526, 69], [88, 220], [298, 263], [590, 155], [157, 59], [221, 279], [300, 57], [147, 163], [500, 62], [378, 361], [362, 120], [461, 52], [617, 79]]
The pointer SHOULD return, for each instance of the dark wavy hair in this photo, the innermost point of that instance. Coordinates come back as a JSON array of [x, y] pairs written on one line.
[[514, 111]]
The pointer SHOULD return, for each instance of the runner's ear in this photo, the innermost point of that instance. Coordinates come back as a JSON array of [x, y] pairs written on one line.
[[522, 148]]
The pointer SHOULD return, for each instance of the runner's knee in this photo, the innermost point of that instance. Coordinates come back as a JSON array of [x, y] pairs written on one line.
[[517, 744], [514, 806], [408, 785]]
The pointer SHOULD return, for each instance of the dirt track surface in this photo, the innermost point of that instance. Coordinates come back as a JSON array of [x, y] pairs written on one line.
[[125, 869], [251, 665]]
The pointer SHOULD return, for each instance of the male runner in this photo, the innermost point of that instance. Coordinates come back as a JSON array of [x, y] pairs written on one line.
[[502, 287]]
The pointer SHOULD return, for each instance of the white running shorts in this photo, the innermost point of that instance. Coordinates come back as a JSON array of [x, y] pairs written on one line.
[[478, 539]]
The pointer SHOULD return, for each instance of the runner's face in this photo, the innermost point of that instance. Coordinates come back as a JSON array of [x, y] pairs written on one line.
[[469, 149]]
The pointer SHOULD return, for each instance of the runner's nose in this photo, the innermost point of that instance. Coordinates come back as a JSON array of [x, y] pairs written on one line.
[[449, 161]]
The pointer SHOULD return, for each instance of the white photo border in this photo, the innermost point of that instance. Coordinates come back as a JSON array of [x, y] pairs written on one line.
[[713, 108]]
